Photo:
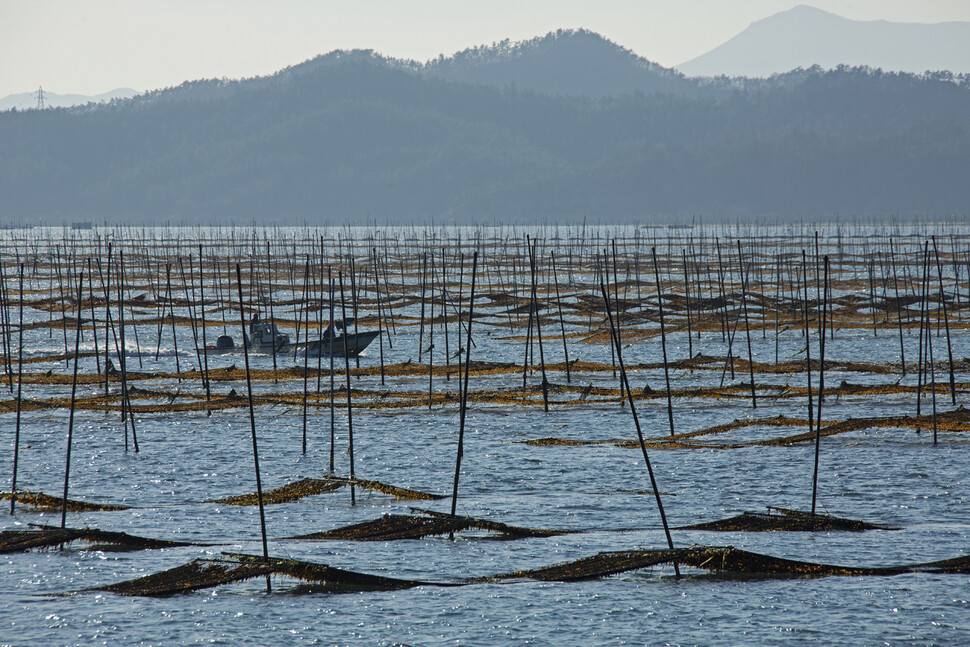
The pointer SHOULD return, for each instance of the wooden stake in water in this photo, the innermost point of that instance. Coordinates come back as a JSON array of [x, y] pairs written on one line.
[[690, 343], [636, 419], [171, 311], [932, 368], [424, 269], [377, 289], [190, 306], [562, 325], [20, 384], [108, 329], [70, 420], [94, 321], [331, 345], [821, 341], [5, 328], [808, 374], [663, 338], [205, 352], [272, 317], [350, 410], [899, 309], [252, 423], [924, 307], [306, 350], [431, 335], [747, 329], [535, 306], [126, 411], [808, 345], [946, 324], [464, 393]]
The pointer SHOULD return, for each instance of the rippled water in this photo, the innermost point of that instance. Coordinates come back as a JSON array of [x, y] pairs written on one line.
[[881, 475]]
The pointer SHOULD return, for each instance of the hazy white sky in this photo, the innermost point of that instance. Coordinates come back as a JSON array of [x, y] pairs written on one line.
[[93, 46]]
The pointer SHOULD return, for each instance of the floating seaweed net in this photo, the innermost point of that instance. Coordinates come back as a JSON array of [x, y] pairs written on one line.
[[47, 502], [715, 559], [785, 519], [188, 400], [396, 526], [309, 487], [19, 541], [955, 421], [209, 573]]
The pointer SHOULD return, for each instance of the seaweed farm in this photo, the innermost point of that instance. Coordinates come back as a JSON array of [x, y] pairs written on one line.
[[494, 435]]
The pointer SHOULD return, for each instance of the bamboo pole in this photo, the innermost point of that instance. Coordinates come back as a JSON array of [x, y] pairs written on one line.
[[252, 423]]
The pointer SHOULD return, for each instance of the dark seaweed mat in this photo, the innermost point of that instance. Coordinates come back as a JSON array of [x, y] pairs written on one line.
[[310, 487], [18, 541], [396, 526], [785, 520], [208, 573], [47, 502], [716, 559]]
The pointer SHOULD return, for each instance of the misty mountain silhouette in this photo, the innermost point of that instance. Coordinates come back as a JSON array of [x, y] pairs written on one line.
[[568, 62], [506, 133], [804, 36]]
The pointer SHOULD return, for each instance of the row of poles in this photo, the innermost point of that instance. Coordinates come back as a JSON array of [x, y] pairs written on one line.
[[428, 278]]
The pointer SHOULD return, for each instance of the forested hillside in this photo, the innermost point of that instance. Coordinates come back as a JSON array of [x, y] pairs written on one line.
[[352, 137]]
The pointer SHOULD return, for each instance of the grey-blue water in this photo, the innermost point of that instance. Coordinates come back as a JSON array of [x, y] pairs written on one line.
[[887, 476]]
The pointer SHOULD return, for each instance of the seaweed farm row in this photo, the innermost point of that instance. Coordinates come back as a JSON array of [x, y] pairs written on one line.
[[166, 291], [618, 401]]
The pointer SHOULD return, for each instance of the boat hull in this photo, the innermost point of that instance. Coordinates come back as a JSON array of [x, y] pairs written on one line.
[[355, 345]]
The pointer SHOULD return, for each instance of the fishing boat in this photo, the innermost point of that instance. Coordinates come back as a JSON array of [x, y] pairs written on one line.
[[263, 338], [329, 345], [267, 338]]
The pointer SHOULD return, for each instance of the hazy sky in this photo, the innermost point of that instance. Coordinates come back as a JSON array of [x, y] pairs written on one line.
[[93, 46]]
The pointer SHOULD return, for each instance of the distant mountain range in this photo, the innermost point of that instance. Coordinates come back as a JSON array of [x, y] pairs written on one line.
[[28, 100], [585, 63], [563, 128], [805, 36]]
